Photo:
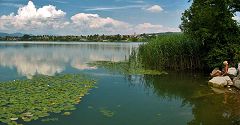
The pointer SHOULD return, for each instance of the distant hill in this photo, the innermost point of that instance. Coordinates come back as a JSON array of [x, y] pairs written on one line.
[[12, 34]]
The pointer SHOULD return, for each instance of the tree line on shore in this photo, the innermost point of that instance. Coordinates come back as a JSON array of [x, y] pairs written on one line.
[[87, 38]]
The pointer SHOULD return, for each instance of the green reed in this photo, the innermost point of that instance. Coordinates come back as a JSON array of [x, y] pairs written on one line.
[[172, 51]]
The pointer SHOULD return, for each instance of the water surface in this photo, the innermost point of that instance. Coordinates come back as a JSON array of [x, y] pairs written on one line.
[[174, 99]]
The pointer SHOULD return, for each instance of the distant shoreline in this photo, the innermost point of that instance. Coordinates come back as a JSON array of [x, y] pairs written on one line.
[[63, 42], [89, 38]]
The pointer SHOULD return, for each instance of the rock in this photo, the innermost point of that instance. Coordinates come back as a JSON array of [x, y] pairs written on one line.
[[232, 71], [238, 67], [237, 84], [220, 81]]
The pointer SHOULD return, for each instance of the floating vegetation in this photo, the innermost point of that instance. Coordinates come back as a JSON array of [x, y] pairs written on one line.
[[125, 68], [27, 100], [49, 120], [106, 112], [67, 113]]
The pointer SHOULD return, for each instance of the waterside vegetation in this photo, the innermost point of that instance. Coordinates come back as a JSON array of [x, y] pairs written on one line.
[[210, 36], [176, 52]]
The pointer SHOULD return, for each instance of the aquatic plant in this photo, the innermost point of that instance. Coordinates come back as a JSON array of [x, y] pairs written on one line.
[[175, 51], [67, 113], [127, 68], [106, 112], [27, 100]]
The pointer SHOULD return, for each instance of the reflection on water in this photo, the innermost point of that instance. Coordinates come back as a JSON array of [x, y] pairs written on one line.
[[208, 107], [49, 59]]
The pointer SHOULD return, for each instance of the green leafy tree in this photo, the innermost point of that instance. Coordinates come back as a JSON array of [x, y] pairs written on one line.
[[210, 23]]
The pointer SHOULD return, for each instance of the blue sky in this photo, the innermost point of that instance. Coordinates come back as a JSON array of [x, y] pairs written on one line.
[[92, 16]]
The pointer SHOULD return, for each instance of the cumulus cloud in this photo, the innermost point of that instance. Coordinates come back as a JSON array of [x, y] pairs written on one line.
[[29, 17], [50, 20], [151, 28], [94, 22], [155, 9]]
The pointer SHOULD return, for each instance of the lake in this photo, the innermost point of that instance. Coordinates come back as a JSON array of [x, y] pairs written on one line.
[[178, 98]]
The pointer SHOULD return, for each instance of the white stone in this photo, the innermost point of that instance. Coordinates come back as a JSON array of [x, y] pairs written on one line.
[[232, 71], [237, 83], [220, 81]]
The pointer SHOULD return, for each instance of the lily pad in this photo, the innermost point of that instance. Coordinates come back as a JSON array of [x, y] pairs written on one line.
[[41, 96], [67, 113]]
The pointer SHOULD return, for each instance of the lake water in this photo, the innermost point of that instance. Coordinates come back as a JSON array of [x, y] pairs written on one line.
[[173, 99]]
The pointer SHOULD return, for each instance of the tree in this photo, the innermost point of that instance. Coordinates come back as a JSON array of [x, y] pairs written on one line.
[[26, 37], [210, 23]]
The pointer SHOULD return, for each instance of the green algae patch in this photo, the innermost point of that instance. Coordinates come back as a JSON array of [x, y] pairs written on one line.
[[106, 112], [126, 68], [27, 100]]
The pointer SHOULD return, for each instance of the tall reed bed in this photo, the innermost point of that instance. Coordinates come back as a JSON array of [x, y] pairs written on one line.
[[172, 51]]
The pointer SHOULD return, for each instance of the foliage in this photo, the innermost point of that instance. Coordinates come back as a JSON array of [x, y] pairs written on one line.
[[170, 51], [88, 38], [211, 24], [32, 99], [230, 52]]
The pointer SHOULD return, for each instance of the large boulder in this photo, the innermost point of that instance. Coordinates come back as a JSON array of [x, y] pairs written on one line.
[[220, 81]]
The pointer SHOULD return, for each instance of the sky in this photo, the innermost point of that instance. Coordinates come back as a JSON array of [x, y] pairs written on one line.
[[83, 17]]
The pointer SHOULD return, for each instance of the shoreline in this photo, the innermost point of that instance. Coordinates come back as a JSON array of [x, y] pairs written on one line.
[[64, 42]]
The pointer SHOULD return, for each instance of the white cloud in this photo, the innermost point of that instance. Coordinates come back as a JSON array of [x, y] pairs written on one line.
[[155, 9], [29, 17], [86, 21], [114, 8], [11, 4], [50, 20], [62, 2], [151, 28]]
